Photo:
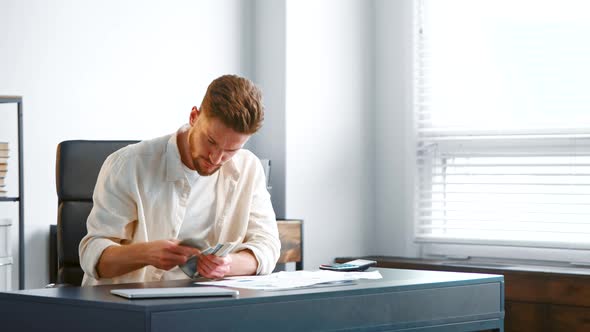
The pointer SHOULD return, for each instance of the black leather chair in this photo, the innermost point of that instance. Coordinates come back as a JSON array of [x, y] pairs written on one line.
[[77, 166]]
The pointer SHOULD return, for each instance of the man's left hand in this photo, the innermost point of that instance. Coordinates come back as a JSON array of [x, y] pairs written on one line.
[[214, 267]]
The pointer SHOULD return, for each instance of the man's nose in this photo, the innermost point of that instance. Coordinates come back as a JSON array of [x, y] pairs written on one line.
[[216, 156]]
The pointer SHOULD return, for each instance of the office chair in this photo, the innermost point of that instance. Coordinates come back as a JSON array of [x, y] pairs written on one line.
[[77, 165]]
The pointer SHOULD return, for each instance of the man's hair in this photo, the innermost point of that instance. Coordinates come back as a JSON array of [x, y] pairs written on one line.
[[236, 101]]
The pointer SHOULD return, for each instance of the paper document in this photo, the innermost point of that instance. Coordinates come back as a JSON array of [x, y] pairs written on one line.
[[289, 280]]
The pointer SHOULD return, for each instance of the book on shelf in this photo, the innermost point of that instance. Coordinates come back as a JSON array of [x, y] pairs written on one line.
[[4, 154], [3, 191]]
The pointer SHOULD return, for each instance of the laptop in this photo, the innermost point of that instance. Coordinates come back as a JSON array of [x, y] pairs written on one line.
[[150, 293]]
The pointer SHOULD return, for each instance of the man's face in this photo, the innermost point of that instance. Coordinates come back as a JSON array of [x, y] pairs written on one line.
[[212, 143]]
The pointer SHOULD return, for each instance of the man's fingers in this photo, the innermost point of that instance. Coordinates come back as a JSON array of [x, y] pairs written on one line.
[[184, 250], [208, 268], [211, 266], [206, 263], [173, 259], [204, 271]]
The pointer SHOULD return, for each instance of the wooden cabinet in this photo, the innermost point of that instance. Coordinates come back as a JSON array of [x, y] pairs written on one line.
[[537, 300], [524, 316]]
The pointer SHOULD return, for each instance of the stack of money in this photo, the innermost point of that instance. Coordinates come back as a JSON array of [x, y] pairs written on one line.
[[190, 267], [220, 249]]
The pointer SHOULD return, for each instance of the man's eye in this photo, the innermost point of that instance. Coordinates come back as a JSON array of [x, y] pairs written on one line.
[[211, 142]]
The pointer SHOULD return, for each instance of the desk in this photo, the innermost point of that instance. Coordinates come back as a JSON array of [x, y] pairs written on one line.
[[404, 300]]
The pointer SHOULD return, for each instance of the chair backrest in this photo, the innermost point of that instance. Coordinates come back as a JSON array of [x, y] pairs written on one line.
[[77, 165]]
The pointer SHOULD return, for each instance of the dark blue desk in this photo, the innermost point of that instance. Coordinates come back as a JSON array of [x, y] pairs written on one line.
[[404, 300]]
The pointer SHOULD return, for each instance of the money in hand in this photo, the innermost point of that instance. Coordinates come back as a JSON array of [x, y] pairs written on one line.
[[221, 249]]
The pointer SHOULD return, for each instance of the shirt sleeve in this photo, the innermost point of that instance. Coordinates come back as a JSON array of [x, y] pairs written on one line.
[[262, 236], [112, 217]]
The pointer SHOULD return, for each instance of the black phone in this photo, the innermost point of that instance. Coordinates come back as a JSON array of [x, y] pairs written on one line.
[[355, 265]]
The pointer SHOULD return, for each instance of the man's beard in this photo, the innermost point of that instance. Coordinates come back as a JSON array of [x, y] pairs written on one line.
[[202, 170], [200, 159]]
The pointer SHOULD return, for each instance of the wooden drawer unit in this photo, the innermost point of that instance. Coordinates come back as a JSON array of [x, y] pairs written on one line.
[[524, 316], [539, 299]]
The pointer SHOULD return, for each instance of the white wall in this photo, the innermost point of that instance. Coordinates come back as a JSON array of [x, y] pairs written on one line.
[[329, 139], [395, 156], [107, 70], [268, 71]]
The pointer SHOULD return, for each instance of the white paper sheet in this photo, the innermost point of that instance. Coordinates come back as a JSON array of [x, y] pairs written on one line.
[[295, 279]]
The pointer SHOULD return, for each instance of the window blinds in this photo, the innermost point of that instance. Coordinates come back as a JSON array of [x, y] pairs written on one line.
[[502, 113]]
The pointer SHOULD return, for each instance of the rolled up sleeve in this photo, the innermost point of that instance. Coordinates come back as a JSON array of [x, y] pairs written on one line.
[[262, 236], [112, 214]]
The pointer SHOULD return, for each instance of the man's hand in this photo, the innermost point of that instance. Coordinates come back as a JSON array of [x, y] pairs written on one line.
[[213, 267], [166, 254], [235, 264], [163, 254]]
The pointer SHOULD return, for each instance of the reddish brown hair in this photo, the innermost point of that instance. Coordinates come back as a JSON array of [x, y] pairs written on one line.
[[236, 101]]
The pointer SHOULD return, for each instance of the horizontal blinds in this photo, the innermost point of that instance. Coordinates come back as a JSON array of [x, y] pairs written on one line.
[[496, 166], [529, 193]]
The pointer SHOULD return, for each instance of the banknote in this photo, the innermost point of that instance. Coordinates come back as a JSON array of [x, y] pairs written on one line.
[[190, 267]]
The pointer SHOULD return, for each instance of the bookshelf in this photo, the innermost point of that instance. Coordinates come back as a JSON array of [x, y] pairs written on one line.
[[18, 198]]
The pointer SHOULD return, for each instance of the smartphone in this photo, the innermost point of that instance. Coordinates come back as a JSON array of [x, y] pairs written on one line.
[[355, 265]]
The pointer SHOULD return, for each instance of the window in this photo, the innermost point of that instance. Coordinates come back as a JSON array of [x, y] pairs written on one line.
[[502, 109]]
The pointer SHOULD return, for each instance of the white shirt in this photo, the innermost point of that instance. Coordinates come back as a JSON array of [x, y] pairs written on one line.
[[199, 218], [142, 194]]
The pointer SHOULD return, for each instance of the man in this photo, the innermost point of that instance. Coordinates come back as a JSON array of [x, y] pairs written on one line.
[[197, 183]]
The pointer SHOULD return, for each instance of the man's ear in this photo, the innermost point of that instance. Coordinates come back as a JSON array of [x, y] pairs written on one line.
[[194, 115]]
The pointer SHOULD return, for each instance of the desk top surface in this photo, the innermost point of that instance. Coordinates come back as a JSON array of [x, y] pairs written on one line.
[[393, 280]]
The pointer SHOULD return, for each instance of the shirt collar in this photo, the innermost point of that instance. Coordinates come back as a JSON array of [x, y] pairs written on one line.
[[230, 170], [174, 169]]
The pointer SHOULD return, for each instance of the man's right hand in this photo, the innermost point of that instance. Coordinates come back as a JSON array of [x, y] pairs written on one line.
[[162, 254], [166, 254]]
